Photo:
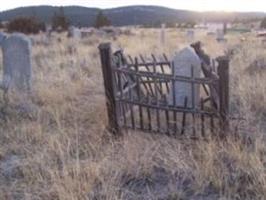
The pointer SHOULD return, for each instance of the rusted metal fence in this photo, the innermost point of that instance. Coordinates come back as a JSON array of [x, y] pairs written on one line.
[[138, 96]]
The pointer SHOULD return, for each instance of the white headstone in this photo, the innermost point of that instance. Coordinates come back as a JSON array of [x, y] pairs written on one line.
[[190, 35], [162, 34], [100, 33], [17, 69], [74, 32], [220, 35], [183, 62], [48, 31], [77, 33]]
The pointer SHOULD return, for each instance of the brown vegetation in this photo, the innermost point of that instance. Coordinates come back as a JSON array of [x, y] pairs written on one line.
[[25, 25], [64, 152]]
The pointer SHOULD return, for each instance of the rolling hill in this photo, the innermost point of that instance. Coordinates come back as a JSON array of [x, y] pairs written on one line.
[[131, 15]]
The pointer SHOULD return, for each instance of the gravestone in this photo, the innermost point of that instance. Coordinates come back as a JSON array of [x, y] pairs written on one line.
[[220, 36], [190, 35], [48, 31], [100, 33], [17, 69], [225, 28], [162, 34], [183, 62], [85, 33], [17, 75], [74, 32]]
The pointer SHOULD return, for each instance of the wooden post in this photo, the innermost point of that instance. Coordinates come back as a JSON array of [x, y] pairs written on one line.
[[106, 61], [225, 28], [223, 73]]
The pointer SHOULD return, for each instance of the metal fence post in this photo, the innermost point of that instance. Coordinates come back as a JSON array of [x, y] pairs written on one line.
[[223, 73], [106, 62]]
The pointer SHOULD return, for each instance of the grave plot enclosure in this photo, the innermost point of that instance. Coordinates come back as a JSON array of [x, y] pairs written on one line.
[[145, 94]]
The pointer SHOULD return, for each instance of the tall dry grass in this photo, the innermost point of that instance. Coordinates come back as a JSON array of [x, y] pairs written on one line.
[[63, 151]]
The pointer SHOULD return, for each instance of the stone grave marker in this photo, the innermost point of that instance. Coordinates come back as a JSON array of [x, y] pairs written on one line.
[[220, 36], [17, 67], [162, 34], [74, 32], [183, 61], [190, 35], [17, 73], [48, 31]]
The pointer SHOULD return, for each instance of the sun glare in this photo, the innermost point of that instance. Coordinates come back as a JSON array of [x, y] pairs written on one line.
[[222, 5], [197, 5]]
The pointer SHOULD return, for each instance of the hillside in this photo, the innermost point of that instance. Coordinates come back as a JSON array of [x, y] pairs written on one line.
[[131, 15]]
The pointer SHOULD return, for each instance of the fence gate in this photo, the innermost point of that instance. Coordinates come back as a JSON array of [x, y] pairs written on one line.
[[141, 95]]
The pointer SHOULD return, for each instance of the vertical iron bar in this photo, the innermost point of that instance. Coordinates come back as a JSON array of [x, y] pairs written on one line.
[[202, 119], [156, 98], [193, 99], [174, 96], [184, 117], [138, 94]]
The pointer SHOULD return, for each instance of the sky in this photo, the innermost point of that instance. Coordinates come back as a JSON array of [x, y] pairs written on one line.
[[198, 5]]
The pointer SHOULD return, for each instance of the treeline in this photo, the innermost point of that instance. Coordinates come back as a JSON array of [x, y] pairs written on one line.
[[25, 25], [59, 23], [32, 25]]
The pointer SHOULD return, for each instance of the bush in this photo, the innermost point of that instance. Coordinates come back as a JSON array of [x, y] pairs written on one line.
[[263, 23], [25, 25]]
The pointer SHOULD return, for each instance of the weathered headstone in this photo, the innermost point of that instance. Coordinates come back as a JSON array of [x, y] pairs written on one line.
[[224, 28], [190, 35], [183, 62], [220, 36], [17, 74], [86, 33], [17, 71], [100, 33], [162, 34], [48, 31], [74, 32]]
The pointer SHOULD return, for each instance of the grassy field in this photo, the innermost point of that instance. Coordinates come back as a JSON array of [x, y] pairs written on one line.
[[63, 152]]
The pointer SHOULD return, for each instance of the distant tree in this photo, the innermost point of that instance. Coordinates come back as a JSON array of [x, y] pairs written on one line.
[[156, 24], [25, 25], [171, 25], [263, 23], [60, 21], [190, 24], [101, 20]]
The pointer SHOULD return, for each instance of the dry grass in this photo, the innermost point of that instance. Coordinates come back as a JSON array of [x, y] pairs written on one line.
[[63, 152]]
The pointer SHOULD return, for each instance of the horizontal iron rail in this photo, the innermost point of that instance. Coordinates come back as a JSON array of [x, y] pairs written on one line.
[[159, 80], [151, 64], [167, 76], [169, 108]]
